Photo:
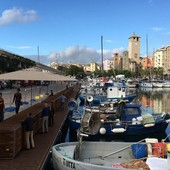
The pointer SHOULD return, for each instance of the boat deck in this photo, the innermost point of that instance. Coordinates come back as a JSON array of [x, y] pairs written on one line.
[[35, 159]]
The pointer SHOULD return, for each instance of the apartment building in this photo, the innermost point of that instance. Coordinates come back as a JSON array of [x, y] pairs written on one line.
[[91, 67], [107, 64], [147, 62], [162, 59]]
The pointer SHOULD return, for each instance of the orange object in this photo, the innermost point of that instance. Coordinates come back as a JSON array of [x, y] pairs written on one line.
[[159, 149]]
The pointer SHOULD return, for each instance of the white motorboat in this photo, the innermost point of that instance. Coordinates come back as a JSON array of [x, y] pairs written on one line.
[[146, 84], [132, 83], [166, 84]]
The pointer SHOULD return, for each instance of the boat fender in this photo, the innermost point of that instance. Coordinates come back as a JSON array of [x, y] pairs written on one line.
[[168, 121], [151, 140], [117, 121], [89, 98], [149, 125], [118, 130]]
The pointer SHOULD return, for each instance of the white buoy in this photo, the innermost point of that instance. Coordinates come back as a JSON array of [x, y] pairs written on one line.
[[134, 121], [102, 131]]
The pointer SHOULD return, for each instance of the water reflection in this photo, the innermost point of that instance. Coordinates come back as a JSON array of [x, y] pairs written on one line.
[[155, 100]]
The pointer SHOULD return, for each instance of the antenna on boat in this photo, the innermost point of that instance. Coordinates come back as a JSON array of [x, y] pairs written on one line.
[[38, 54], [147, 55]]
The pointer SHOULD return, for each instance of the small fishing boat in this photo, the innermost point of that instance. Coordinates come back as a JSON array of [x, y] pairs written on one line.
[[105, 156], [145, 84], [131, 83], [121, 119], [101, 155], [109, 93]]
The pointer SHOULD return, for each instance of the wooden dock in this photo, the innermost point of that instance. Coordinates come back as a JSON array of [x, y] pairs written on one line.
[[34, 159]]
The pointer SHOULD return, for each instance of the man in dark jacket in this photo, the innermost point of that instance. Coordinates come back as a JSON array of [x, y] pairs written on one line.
[[17, 99], [45, 116], [28, 125]]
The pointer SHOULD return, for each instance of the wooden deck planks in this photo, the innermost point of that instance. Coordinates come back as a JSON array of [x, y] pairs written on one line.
[[34, 159]]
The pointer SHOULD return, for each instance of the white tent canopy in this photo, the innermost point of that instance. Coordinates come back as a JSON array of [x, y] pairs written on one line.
[[34, 74]]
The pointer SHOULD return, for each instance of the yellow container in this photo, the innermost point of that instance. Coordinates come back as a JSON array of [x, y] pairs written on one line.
[[168, 147], [41, 95], [37, 97]]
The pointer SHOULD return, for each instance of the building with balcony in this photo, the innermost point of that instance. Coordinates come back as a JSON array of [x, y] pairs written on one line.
[[92, 67], [162, 59], [107, 64]]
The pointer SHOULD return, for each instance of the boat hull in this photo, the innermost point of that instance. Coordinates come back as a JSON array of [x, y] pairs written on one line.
[[63, 156], [131, 133]]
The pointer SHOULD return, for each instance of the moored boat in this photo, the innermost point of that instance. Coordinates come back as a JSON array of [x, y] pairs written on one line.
[[108, 94], [132, 83], [107, 155], [122, 120]]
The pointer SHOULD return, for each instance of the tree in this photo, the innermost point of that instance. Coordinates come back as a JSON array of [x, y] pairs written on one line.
[[76, 71]]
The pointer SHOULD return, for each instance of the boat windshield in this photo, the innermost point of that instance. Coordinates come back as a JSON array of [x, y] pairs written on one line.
[[108, 85], [132, 111]]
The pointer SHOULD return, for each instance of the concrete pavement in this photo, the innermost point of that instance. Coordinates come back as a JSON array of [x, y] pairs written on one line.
[[29, 96]]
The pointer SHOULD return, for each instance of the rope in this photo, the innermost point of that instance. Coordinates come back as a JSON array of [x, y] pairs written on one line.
[[166, 137]]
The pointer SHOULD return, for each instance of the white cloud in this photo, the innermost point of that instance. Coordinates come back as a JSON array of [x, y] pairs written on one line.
[[16, 15], [20, 47], [82, 55], [150, 1], [157, 29], [108, 41]]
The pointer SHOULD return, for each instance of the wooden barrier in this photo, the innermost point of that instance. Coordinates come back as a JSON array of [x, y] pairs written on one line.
[[12, 132]]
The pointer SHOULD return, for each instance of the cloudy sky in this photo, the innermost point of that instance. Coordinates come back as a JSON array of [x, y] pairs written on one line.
[[69, 31]]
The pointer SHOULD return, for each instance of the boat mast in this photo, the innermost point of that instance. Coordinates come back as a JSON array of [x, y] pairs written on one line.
[[102, 52], [147, 55], [38, 54]]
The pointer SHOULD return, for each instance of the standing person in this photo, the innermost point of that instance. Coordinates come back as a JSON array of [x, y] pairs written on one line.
[[17, 99], [45, 116], [2, 108], [51, 114], [51, 94], [63, 99], [29, 135]]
